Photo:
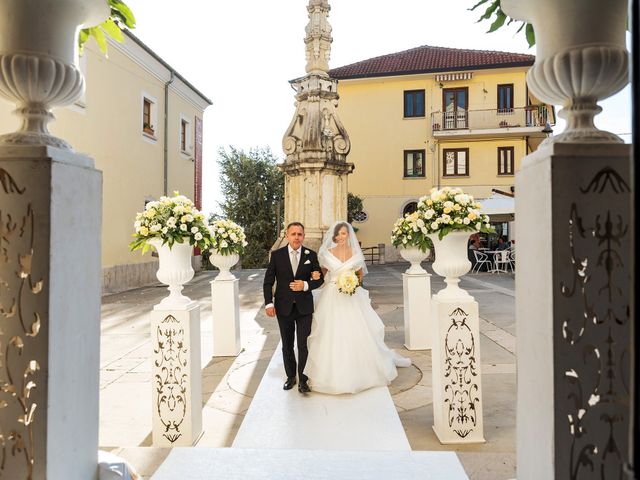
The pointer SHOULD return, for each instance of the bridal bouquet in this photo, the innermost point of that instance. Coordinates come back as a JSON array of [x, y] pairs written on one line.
[[227, 237], [171, 219], [451, 209], [348, 282]]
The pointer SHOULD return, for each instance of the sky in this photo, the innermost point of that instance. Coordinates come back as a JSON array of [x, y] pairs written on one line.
[[242, 53]]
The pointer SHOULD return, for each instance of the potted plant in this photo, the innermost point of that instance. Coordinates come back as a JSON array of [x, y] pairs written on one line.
[[173, 226], [409, 234], [148, 128], [227, 244], [450, 217]]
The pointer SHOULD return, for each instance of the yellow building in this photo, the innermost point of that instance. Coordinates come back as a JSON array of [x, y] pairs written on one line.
[[433, 117], [134, 109]]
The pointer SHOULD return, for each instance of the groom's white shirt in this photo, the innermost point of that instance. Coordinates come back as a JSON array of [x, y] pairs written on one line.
[[299, 252]]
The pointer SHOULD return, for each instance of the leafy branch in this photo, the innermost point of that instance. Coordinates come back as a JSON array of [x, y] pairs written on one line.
[[120, 17], [500, 18]]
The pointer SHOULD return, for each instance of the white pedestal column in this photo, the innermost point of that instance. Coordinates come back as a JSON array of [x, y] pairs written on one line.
[[457, 387], [225, 310], [416, 291], [177, 379], [50, 223]]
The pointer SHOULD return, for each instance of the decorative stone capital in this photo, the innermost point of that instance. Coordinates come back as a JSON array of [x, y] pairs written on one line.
[[318, 39]]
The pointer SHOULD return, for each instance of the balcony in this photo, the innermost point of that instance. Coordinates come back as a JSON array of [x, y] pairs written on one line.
[[513, 122]]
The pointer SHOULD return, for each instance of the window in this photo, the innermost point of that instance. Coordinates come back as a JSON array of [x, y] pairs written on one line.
[[186, 136], [361, 216], [410, 208], [505, 160], [414, 103], [456, 162], [147, 116], [455, 103], [183, 135], [414, 163], [505, 98]]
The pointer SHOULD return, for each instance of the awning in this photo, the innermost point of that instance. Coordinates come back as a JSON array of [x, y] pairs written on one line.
[[500, 208]]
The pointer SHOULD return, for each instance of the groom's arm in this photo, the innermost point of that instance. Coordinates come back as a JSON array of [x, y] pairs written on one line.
[[315, 267], [269, 280]]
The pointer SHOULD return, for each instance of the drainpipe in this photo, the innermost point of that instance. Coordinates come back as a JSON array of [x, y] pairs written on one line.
[[166, 131]]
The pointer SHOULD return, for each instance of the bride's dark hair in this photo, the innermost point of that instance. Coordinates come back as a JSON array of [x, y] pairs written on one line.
[[337, 229]]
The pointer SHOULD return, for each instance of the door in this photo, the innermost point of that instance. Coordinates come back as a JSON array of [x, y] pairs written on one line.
[[454, 105]]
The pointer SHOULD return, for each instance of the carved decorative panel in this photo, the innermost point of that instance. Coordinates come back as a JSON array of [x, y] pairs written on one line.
[[23, 346], [591, 321]]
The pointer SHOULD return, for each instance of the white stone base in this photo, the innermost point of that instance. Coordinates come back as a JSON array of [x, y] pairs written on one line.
[[416, 290], [177, 380], [268, 464], [225, 310], [457, 387]]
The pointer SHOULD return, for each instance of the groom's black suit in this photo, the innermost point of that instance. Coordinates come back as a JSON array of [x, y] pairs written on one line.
[[293, 309]]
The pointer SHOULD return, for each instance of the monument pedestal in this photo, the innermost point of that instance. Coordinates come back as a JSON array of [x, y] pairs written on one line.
[[457, 387], [416, 290], [50, 224], [225, 310], [177, 379]]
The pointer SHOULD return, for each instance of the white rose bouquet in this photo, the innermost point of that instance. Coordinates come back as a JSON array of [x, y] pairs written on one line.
[[451, 209], [227, 237], [348, 282], [171, 219], [411, 231]]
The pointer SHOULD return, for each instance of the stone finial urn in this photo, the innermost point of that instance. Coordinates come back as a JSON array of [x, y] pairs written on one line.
[[578, 61], [38, 52]]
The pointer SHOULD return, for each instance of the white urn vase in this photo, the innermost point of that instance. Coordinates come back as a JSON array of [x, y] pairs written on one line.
[[581, 58], [224, 264], [174, 270], [414, 256], [451, 262], [38, 53]]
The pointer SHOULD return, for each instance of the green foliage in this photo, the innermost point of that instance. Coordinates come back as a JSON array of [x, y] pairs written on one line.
[[120, 17], [253, 189], [354, 205], [500, 18]]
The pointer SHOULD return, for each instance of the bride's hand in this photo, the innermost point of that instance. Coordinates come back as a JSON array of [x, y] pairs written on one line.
[[315, 275]]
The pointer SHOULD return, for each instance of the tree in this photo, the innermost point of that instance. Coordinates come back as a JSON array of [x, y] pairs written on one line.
[[354, 205], [253, 188]]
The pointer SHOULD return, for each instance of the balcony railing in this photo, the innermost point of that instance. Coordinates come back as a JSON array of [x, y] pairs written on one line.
[[531, 116]]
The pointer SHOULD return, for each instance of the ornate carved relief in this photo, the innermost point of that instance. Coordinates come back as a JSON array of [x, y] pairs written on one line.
[[592, 346], [20, 324], [172, 378], [461, 387]]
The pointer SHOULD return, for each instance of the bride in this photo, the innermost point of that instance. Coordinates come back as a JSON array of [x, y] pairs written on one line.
[[347, 353]]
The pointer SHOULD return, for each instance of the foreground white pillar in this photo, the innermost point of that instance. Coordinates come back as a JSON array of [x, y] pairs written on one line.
[[457, 386], [50, 222], [416, 291], [177, 379], [225, 308]]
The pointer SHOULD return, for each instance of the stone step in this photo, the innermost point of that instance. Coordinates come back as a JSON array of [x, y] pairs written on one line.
[[287, 419], [282, 464]]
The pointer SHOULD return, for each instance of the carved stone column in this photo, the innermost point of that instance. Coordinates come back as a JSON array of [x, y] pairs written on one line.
[[50, 261], [316, 143], [574, 252]]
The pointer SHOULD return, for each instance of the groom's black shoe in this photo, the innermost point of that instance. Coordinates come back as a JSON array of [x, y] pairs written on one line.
[[304, 387], [288, 385]]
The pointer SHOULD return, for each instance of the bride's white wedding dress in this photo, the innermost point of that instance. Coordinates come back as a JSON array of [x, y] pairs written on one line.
[[347, 353]]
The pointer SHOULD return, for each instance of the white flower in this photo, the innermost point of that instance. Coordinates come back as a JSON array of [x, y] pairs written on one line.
[[171, 222], [420, 223], [466, 221], [198, 236], [223, 244], [306, 252], [478, 226], [459, 220], [155, 228], [404, 240], [434, 226], [429, 214], [194, 229], [183, 227], [448, 204], [165, 230]]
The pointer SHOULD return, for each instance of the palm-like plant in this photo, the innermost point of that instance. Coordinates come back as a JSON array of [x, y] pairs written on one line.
[[500, 19], [121, 16]]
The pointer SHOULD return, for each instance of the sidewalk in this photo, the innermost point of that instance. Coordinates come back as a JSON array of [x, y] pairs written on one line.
[[229, 383]]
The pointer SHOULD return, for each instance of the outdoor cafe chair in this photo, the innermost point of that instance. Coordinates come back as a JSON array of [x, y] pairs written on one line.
[[502, 261], [481, 258]]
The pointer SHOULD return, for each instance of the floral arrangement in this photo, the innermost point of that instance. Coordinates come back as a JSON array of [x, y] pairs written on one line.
[[348, 282], [172, 220], [227, 237], [411, 231], [451, 209]]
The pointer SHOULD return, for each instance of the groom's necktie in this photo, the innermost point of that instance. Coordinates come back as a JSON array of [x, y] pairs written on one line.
[[294, 261]]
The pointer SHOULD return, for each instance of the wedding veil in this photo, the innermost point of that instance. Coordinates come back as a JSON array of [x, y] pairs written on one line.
[[328, 243]]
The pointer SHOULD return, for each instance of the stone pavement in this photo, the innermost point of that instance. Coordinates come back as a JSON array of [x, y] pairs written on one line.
[[230, 382]]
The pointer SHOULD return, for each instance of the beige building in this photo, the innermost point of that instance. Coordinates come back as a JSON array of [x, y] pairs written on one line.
[[433, 117], [142, 123]]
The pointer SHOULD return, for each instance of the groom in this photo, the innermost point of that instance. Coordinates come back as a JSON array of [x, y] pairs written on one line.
[[290, 268]]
